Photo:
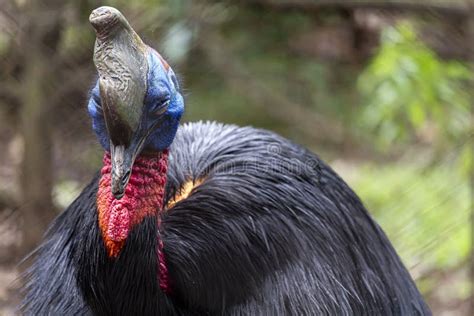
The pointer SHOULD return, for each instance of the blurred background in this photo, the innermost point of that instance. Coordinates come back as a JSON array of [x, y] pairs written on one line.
[[380, 89]]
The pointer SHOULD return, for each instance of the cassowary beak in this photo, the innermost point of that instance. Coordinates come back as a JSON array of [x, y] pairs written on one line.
[[120, 57]]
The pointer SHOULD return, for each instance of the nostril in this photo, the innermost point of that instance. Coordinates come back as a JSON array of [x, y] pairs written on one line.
[[125, 178]]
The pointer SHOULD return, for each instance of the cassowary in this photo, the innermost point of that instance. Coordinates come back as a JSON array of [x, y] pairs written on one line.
[[205, 218]]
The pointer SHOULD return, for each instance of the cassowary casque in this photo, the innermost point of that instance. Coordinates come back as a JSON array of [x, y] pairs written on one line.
[[205, 218]]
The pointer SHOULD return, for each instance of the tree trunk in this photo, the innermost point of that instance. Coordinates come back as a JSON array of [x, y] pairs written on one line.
[[39, 39], [36, 176]]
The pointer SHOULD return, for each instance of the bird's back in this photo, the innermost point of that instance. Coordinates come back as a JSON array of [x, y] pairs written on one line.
[[276, 231]]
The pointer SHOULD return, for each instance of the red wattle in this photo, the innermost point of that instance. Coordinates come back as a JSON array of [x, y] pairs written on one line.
[[143, 197], [119, 222]]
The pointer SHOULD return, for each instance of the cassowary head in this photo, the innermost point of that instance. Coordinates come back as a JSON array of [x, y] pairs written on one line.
[[136, 104]]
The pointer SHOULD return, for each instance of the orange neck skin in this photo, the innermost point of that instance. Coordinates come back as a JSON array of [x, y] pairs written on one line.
[[143, 197]]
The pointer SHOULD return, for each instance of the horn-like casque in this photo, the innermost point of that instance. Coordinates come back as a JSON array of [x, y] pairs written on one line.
[[120, 57]]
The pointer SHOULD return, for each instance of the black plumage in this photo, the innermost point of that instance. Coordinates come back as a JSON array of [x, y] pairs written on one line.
[[269, 230]]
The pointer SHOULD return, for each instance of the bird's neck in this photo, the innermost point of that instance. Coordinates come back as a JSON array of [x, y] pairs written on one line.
[[143, 198]]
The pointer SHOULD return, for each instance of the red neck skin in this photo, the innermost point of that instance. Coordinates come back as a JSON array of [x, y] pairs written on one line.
[[143, 197]]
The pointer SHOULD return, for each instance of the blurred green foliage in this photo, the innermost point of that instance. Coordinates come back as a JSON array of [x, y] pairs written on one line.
[[411, 94], [426, 215], [413, 100]]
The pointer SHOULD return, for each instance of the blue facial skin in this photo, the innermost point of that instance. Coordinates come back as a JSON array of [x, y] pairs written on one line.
[[162, 87]]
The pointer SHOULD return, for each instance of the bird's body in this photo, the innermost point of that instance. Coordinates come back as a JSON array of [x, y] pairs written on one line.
[[210, 220], [269, 229]]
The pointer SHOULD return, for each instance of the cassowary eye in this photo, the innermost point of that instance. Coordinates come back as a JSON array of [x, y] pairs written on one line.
[[160, 109]]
